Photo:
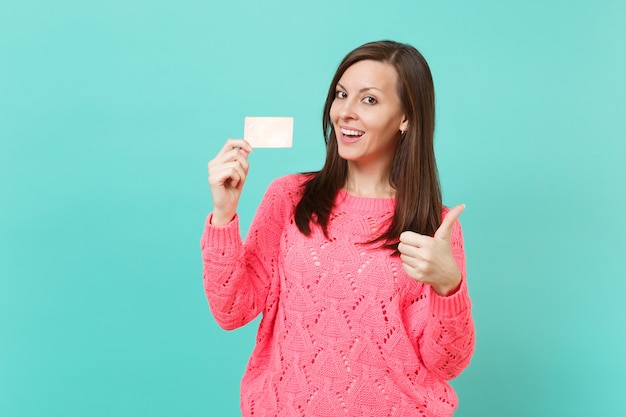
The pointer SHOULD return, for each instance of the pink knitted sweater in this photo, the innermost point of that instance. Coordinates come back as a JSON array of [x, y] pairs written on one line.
[[345, 332]]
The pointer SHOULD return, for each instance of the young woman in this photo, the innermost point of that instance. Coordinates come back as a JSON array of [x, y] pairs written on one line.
[[357, 269]]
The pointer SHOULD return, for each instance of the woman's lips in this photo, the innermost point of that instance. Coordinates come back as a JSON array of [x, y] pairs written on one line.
[[350, 135]]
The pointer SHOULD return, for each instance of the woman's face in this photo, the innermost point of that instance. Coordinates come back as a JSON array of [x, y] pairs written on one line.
[[366, 114]]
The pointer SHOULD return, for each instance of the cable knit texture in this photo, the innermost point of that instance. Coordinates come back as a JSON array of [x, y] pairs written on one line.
[[345, 331]]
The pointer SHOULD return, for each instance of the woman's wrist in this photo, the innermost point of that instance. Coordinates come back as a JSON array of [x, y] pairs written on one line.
[[221, 219], [448, 289]]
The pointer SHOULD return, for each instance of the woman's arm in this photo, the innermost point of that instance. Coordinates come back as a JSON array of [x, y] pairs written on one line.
[[447, 343], [238, 276]]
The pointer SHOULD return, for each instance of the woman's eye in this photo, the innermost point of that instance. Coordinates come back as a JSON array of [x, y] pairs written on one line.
[[340, 94], [369, 100]]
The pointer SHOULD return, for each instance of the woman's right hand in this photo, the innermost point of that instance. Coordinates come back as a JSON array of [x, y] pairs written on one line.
[[227, 174]]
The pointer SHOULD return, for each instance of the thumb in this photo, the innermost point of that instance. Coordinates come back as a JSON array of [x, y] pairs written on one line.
[[445, 230]]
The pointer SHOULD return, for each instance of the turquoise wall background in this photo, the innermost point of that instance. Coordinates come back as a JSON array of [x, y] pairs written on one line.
[[110, 111]]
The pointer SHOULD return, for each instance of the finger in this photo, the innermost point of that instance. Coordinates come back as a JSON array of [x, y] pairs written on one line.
[[445, 230], [408, 260], [245, 165], [241, 153], [236, 144], [413, 272], [406, 250], [415, 257], [237, 177], [229, 174], [234, 155], [414, 239], [220, 176], [240, 158]]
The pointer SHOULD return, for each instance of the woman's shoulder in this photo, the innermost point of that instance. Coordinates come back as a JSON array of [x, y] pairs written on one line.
[[286, 191], [289, 183]]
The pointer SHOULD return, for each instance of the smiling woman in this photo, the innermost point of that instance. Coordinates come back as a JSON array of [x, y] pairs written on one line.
[[411, 177], [358, 270], [368, 120]]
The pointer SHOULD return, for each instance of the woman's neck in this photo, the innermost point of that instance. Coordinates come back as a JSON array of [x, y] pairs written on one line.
[[371, 185]]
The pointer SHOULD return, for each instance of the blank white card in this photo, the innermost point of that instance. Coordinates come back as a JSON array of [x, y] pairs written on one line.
[[269, 132]]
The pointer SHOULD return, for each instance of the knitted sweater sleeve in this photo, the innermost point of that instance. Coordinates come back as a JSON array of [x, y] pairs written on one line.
[[238, 276], [448, 340]]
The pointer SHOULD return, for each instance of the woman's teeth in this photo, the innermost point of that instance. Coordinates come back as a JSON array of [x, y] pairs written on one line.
[[347, 132]]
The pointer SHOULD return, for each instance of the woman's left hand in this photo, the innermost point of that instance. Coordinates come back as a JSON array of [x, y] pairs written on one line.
[[429, 259]]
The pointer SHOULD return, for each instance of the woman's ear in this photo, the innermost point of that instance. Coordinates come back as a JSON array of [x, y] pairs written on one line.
[[404, 125]]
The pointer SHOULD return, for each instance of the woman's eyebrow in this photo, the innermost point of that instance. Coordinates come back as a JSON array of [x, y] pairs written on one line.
[[362, 89]]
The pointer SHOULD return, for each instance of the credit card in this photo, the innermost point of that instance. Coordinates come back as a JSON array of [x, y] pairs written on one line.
[[268, 132]]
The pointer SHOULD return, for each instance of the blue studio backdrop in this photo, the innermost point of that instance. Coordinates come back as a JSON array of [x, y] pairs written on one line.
[[110, 111]]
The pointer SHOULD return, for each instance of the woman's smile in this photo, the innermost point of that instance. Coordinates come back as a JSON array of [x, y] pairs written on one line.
[[351, 135]]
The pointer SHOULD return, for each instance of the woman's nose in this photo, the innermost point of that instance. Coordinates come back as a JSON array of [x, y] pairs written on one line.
[[347, 110]]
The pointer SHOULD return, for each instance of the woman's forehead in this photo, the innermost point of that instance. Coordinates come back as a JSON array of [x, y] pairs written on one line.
[[369, 74]]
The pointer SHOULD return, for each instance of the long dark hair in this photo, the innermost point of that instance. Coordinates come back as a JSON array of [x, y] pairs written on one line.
[[414, 170]]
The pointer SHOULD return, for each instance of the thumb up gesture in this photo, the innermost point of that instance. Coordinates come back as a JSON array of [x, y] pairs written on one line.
[[429, 259]]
